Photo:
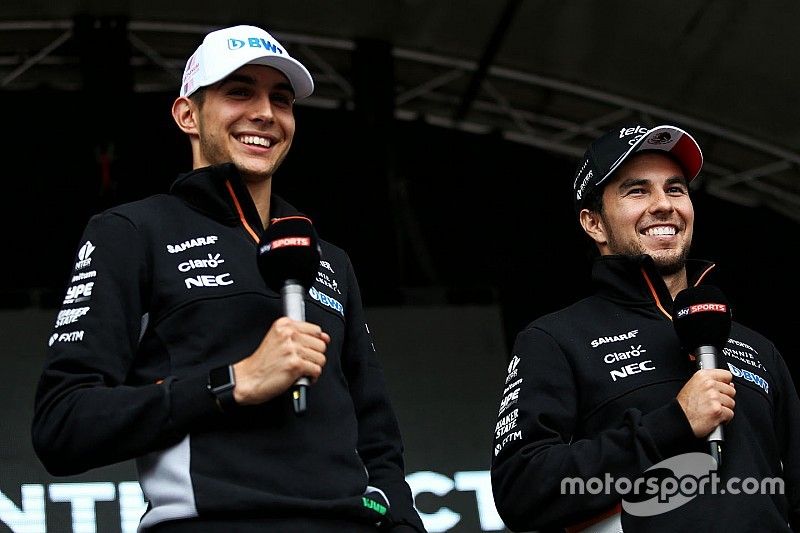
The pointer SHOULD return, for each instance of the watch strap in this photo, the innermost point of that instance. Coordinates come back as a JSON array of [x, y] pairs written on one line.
[[221, 382]]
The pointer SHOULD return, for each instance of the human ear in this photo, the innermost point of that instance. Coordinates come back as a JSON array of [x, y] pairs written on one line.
[[184, 112], [592, 223]]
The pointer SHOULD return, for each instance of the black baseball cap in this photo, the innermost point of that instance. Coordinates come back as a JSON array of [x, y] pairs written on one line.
[[606, 153]]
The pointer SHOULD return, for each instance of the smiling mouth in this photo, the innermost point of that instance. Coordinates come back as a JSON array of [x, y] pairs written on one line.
[[660, 231], [254, 140]]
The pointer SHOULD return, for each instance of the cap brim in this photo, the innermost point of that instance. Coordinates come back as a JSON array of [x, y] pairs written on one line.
[[677, 142], [298, 75]]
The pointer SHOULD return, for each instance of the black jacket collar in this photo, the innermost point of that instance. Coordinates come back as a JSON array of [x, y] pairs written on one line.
[[205, 190], [636, 281]]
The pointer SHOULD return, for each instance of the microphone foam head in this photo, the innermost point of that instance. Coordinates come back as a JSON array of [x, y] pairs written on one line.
[[289, 250], [702, 317]]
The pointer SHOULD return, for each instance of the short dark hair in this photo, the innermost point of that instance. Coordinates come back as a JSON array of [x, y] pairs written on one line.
[[199, 96], [594, 200]]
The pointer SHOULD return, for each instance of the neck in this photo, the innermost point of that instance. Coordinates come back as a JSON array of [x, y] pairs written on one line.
[[676, 282], [260, 191]]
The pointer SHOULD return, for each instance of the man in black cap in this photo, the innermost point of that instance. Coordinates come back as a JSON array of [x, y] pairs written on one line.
[[601, 391]]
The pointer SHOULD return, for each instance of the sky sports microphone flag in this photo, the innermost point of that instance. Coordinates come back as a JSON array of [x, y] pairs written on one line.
[[288, 259], [702, 320]]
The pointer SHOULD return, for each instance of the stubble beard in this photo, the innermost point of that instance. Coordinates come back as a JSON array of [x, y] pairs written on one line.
[[667, 262], [214, 154]]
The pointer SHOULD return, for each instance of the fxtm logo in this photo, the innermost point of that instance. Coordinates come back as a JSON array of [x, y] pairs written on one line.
[[72, 336]]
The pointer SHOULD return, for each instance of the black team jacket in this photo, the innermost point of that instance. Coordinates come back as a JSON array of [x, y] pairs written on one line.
[[165, 289], [591, 393]]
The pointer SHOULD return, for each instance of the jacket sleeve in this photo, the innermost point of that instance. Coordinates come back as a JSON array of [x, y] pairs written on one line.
[[787, 428], [379, 442], [85, 414], [534, 449]]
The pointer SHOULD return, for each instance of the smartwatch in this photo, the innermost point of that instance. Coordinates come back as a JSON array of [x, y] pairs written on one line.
[[221, 382]]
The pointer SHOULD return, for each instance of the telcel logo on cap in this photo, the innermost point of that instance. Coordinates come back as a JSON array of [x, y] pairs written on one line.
[[638, 131]]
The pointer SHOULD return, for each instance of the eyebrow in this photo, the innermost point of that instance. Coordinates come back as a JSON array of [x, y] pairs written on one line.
[[250, 80], [633, 182]]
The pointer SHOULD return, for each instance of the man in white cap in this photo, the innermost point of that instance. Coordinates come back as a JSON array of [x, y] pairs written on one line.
[[605, 420], [170, 348]]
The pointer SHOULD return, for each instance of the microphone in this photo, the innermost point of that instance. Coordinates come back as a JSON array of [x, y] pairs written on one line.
[[702, 320], [288, 259]]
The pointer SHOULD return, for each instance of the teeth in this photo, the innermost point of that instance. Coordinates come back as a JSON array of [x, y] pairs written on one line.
[[252, 139], [660, 230]]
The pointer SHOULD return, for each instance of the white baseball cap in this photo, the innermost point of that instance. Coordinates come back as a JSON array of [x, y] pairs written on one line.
[[225, 50]]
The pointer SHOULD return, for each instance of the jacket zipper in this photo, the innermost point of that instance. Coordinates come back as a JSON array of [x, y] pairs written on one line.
[[252, 233]]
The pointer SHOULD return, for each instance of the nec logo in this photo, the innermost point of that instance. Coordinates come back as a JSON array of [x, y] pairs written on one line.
[[253, 42], [631, 369], [209, 281]]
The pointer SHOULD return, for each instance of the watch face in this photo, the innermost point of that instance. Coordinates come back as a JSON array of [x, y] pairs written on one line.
[[221, 378]]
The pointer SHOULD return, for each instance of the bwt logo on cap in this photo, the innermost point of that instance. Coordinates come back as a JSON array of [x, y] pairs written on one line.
[[254, 42]]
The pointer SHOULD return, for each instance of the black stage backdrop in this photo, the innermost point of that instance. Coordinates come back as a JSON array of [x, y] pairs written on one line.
[[458, 239], [440, 217]]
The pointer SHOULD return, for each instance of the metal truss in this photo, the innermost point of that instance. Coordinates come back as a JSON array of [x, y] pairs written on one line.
[[551, 114]]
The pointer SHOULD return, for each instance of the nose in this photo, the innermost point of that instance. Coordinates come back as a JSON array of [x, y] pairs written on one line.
[[661, 202], [262, 110]]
